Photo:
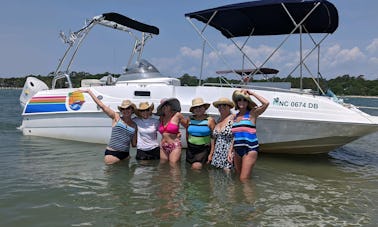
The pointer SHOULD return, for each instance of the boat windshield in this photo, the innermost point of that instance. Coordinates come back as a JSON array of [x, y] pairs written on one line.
[[140, 70]]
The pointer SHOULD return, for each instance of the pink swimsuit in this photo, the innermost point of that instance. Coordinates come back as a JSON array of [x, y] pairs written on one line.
[[173, 129], [169, 128]]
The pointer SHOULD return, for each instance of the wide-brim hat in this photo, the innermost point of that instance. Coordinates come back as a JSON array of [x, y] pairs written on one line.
[[125, 104], [144, 106], [173, 102], [199, 102], [239, 94], [223, 100]]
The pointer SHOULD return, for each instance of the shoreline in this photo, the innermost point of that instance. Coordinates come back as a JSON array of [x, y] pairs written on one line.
[[10, 88]]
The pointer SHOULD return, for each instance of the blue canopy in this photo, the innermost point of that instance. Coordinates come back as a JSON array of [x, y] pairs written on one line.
[[268, 17]]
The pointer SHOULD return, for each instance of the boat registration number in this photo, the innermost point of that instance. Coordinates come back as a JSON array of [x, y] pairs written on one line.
[[310, 105]]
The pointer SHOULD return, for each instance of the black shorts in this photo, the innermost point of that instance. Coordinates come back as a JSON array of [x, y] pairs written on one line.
[[119, 154], [153, 154], [197, 153]]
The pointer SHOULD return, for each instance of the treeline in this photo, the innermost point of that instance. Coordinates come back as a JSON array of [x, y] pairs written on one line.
[[76, 77], [342, 85]]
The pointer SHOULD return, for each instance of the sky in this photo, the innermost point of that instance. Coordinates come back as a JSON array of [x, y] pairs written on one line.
[[30, 43]]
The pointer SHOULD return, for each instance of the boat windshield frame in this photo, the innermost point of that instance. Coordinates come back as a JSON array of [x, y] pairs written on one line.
[[111, 20]]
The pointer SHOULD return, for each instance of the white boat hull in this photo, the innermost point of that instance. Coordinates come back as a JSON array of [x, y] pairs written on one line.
[[293, 123]]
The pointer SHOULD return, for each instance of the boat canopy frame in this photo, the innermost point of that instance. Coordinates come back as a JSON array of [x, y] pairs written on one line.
[[111, 20], [270, 17]]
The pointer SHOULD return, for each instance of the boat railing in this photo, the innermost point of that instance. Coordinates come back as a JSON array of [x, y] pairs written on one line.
[[257, 87], [61, 75]]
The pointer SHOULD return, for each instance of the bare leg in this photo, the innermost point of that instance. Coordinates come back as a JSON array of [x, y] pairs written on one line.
[[175, 155], [227, 170], [196, 165], [248, 161], [163, 156], [237, 163], [110, 159]]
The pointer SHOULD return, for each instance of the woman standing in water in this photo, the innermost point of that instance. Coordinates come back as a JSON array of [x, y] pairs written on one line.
[[222, 135], [246, 145], [200, 143], [123, 130], [147, 142], [169, 127]]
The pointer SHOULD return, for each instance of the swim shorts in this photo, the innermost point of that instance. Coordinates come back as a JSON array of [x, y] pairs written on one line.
[[148, 155], [119, 154]]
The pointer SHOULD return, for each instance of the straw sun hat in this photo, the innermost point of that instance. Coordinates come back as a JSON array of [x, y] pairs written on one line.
[[223, 100], [125, 104], [239, 94], [199, 102], [173, 102], [144, 106]]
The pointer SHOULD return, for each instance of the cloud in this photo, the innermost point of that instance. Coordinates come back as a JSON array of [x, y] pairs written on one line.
[[188, 52], [373, 60], [336, 56], [373, 46], [334, 60]]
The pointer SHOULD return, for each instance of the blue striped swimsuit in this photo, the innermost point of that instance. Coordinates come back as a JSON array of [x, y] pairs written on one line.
[[121, 137], [199, 139], [245, 139], [199, 131]]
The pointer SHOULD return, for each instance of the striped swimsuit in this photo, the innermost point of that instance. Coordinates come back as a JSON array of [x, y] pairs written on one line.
[[199, 139], [121, 137], [199, 132], [245, 139]]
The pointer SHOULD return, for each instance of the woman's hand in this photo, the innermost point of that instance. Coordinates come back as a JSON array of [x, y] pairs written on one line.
[[230, 157], [209, 158]]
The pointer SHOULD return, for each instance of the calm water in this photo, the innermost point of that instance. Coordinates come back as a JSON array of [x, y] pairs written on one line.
[[47, 182]]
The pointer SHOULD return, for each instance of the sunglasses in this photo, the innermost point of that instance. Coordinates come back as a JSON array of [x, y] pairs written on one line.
[[222, 105], [242, 99], [146, 110]]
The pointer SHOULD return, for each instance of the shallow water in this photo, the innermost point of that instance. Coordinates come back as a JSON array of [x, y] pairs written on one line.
[[48, 182]]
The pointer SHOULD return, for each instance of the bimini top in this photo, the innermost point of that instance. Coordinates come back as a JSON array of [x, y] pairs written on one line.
[[268, 17], [116, 19]]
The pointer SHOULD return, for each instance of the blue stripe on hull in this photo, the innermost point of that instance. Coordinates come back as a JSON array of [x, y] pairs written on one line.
[[42, 108]]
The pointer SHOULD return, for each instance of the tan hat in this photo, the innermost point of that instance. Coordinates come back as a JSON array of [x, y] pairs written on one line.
[[199, 102], [144, 106], [125, 104], [173, 102], [223, 101], [239, 94]]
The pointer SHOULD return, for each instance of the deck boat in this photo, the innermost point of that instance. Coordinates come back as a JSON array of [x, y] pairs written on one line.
[[297, 121]]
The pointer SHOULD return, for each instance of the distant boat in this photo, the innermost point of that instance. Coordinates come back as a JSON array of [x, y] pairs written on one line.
[[297, 121]]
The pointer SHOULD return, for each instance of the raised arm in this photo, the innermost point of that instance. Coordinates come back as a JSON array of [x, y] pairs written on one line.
[[264, 103], [111, 113]]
